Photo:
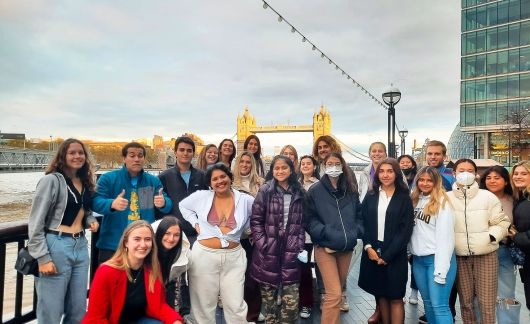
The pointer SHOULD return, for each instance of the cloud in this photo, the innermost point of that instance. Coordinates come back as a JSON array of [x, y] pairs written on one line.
[[130, 69]]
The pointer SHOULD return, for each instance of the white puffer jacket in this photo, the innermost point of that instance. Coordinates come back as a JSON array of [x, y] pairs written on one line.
[[478, 214]]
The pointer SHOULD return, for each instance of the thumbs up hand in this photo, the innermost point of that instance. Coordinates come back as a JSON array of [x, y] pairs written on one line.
[[120, 203], [159, 200]]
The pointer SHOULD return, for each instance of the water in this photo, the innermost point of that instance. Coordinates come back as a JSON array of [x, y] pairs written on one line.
[[16, 193]]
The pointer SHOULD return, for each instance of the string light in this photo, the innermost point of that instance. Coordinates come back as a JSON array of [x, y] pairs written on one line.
[[322, 55]]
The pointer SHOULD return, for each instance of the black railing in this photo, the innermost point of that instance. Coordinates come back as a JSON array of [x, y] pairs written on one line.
[[17, 232]]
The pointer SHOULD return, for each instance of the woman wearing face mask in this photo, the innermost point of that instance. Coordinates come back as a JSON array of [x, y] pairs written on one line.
[[278, 234], [409, 168], [480, 224], [333, 220], [173, 256], [521, 233], [388, 219], [432, 245], [208, 156], [496, 179]]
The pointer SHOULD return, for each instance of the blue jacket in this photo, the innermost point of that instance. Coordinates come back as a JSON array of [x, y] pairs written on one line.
[[114, 222]]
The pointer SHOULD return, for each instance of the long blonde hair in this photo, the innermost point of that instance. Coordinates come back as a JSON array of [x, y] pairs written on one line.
[[295, 162], [120, 261], [518, 193], [255, 179], [438, 197]]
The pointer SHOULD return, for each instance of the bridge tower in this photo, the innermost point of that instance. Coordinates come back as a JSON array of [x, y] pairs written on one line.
[[321, 123], [245, 124]]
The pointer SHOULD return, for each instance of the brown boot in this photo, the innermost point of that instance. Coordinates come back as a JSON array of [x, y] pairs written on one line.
[[376, 316]]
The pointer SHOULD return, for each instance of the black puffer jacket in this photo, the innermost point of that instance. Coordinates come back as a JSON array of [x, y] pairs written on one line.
[[332, 217], [521, 220]]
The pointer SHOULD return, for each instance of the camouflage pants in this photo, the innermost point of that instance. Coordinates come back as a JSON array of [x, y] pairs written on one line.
[[287, 312]]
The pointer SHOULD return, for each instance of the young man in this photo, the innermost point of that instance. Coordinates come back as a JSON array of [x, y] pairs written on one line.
[[179, 182], [182, 180], [324, 145], [124, 196]]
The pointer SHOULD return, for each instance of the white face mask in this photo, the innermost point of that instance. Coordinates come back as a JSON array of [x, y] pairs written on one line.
[[333, 171], [465, 178]]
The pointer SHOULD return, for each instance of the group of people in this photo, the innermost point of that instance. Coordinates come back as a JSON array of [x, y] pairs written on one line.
[[227, 231]]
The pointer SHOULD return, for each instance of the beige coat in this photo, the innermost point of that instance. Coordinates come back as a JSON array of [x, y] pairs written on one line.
[[478, 214]]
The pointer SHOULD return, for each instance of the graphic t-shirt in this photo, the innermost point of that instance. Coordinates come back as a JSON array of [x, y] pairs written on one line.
[[134, 206]]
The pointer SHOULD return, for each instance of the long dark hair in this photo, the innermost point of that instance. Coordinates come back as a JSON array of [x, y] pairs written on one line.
[[293, 183], [58, 163], [315, 173], [500, 171], [399, 183], [167, 257], [233, 151], [257, 155], [345, 182]]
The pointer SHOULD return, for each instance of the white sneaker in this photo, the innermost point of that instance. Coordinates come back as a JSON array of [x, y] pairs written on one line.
[[261, 317], [306, 312], [344, 306], [413, 298]]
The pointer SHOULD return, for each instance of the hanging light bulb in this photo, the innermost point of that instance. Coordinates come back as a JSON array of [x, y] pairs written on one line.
[[336, 67], [280, 18], [293, 30], [322, 55], [330, 61], [265, 5], [303, 39], [343, 73], [314, 47]]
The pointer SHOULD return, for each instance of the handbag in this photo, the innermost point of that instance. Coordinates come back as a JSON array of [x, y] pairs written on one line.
[[26, 264], [517, 254]]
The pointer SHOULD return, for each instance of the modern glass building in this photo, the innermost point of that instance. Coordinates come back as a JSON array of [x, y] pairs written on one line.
[[495, 78]]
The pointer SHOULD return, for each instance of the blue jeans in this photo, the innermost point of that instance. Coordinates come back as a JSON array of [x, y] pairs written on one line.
[[66, 291], [506, 313], [435, 296]]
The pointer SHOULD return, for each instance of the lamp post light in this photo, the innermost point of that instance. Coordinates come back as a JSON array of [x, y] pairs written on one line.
[[402, 134], [391, 97]]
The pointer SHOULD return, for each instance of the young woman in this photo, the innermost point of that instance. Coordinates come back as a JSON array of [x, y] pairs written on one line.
[[308, 176], [496, 179], [409, 168], [333, 220], [377, 153], [60, 212], [246, 178], [253, 145], [227, 151], [388, 220], [432, 245], [289, 151], [248, 181], [278, 236], [128, 288], [521, 234], [218, 262], [173, 256], [208, 156], [480, 224]]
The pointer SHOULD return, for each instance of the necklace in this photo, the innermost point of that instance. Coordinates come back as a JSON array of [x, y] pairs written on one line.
[[137, 274]]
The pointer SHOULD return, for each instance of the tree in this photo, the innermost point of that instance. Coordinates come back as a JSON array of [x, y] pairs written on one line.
[[516, 129]]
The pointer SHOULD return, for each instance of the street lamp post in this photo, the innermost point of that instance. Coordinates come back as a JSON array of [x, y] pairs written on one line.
[[391, 97], [402, 134]]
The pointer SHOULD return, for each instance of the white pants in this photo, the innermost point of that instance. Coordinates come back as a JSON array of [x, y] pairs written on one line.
[[213, 272]]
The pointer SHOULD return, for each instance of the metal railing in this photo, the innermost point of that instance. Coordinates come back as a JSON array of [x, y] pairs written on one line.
[[17, 232]]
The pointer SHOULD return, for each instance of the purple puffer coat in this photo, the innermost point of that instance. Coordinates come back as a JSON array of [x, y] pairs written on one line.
[[274, 257]]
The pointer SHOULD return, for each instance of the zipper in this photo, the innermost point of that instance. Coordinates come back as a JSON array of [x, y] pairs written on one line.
[[342, 223], [465, 220]]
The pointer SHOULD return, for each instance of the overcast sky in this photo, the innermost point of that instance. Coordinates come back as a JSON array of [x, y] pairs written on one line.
[[119, 70]]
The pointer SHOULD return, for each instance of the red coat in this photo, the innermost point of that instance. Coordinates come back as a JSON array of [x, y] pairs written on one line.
[[107, 296]]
